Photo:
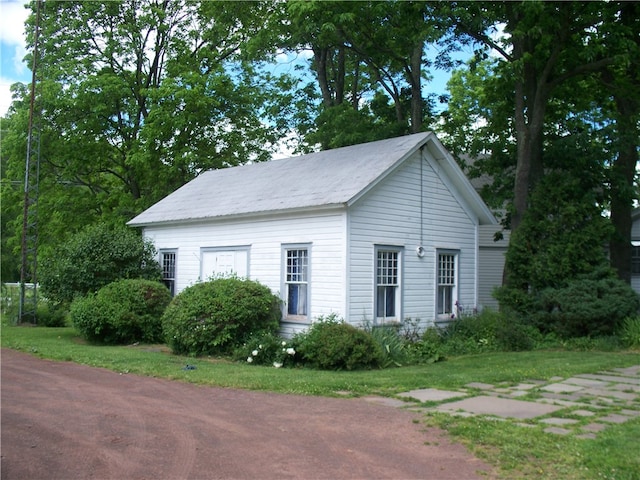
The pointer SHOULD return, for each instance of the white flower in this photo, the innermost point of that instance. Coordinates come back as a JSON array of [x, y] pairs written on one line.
[[260, 347], [254, 353], [250, 359], [291, 351], [284, 344], [277, 364]]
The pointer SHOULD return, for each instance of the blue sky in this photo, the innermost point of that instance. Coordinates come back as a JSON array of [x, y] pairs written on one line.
[[12, 51]]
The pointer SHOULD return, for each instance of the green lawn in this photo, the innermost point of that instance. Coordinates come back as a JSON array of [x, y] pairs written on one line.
[[516, 451]]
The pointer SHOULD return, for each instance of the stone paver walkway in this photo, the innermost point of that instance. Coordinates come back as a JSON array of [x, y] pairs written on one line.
[[582, 405]]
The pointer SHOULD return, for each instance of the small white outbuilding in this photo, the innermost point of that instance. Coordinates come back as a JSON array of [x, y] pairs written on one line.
[[375, 233]]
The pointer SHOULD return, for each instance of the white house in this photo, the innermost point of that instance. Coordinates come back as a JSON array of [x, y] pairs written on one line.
[[374, 233]]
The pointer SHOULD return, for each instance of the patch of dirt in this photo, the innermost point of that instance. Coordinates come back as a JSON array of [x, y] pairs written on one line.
[[66, 421]]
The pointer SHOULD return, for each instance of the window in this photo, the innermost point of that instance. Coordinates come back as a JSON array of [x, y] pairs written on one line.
[[447, 283], [635, 260], [168, 264], [387, 285], [297, 281]]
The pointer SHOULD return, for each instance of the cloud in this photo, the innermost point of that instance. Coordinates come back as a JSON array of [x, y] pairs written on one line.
[[13, 15], [5, 95]]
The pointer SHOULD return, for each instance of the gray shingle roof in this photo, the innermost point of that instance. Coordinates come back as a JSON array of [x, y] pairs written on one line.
[[326, 178]]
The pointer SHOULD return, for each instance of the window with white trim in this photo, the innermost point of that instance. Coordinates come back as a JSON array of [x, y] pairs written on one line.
[[447, 282], [296, 281], [387, 284], [168, 264]]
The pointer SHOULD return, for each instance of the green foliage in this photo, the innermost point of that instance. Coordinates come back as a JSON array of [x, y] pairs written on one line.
[[331, 344], [48, 315], [395, 349], [268, 349], [429, 348], [93, 258], [488, 331], [630, 332], [587, 306], [561, 236], [122, 312], [216, 316]]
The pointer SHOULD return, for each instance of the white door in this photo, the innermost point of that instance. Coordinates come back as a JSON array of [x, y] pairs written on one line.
[[223, 262]]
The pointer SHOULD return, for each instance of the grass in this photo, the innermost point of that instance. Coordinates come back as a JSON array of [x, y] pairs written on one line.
[[514, 450]]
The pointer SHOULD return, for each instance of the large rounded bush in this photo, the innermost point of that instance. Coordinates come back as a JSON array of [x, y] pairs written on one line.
[[122, 312], [96, 256], [587, 307], [216, 316], [335, 345]]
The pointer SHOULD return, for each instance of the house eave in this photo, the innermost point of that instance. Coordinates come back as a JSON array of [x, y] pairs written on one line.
[[316, 209]]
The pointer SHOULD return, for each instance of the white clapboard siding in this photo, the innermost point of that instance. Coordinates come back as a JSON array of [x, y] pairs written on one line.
[[265, 237], [390, 214]]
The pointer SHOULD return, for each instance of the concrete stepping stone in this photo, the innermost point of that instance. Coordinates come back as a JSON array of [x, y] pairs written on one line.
[[574, 397], [526, 386], [558, 421], [600, 392], [500, 407], [561, 388], [611, 378], [630, 371], [582, 413], [519, 393], [594, 427], [625, 387], [431, 395], [630, 413], [614, 418], [586, 382], [557, 430], [480, 385], [565, 403]]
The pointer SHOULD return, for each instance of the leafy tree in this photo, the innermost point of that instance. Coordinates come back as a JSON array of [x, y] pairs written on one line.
[[621, 83], [544, 45], [96, 256], [548, 58], [138, 97], [368, 58]]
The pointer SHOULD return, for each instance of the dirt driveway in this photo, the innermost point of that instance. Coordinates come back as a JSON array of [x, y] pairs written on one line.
[[67, 421]]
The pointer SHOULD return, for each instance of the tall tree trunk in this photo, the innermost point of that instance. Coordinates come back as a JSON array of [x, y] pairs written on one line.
[[416, 88], [622, 186]]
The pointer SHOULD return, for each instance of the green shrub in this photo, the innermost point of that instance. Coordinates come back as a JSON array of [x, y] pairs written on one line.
[[487, 331], [48, 315], [214, 317], [122, 312], [394, 347], [93, 258], [331, 344], [430, 348], [630, 332], [586, 307], [267, 349]]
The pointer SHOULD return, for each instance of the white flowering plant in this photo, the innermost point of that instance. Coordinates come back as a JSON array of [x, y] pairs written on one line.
[[267, 349]]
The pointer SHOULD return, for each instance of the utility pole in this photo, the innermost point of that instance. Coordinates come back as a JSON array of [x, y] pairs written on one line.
[[28, 278]]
